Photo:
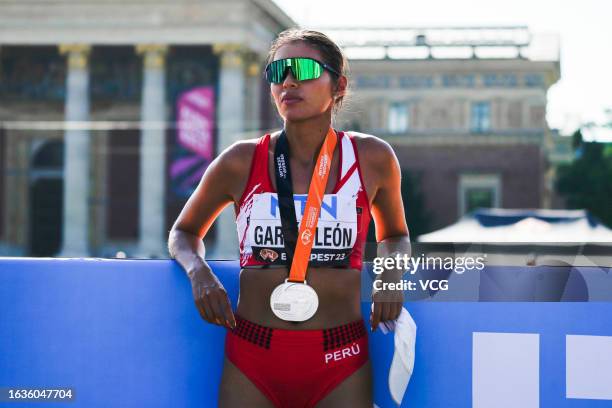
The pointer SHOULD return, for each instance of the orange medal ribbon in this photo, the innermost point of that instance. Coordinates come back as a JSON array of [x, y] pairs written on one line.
[[310, 217]]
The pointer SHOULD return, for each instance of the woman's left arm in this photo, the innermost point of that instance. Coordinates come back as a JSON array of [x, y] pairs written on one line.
[[392, 234]]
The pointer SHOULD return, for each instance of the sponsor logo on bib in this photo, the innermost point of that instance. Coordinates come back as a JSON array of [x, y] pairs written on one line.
[[268, 254]]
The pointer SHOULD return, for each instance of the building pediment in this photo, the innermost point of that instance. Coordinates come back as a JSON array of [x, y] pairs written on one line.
[[253, 23]]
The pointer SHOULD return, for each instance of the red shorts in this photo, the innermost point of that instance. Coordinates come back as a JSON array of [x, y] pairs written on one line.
[[297, 368]]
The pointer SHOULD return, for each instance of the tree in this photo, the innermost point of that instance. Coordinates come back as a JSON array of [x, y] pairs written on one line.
[[587, 181]]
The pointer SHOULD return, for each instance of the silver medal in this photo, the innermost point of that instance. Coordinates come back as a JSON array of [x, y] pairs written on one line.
[[294, 301]]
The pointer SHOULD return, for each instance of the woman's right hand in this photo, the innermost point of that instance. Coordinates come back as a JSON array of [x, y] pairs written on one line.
[[211, 299], [221, 185]]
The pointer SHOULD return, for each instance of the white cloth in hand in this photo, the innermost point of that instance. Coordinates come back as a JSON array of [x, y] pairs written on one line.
[[403, 355]]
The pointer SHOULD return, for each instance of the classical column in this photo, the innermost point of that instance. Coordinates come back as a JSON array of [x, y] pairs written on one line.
[[75, 235], [231, 125], [232, 85], [152, 226], [255, 78]]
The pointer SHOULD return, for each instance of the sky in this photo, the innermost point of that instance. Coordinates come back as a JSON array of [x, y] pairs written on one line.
[[584, 92]]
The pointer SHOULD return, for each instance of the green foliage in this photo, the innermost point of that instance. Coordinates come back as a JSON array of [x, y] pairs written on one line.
[[587, 181]]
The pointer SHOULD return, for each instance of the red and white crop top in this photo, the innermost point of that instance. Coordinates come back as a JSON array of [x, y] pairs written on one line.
[[343, 222]]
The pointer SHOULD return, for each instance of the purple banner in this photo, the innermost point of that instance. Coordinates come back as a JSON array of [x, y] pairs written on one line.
[[195, 117], [195, 120]]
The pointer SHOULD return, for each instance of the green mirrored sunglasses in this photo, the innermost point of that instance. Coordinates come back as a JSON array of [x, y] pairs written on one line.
[[301, 68]]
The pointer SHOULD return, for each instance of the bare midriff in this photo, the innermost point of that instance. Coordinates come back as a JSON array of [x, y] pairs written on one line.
[[338, 291]]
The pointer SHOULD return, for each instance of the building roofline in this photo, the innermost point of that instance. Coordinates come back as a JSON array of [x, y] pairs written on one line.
[[276, 12], [480, 42]]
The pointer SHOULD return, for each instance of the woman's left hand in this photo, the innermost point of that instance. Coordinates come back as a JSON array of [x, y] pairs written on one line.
[[382, 176], [387, 306]]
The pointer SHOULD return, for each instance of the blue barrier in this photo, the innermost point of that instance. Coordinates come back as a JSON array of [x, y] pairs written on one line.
[[125, 333]]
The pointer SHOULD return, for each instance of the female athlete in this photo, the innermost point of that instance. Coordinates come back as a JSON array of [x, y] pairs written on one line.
[[318, 359]]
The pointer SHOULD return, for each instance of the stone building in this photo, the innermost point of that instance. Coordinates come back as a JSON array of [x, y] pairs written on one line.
[[464, 109], [94, 98], [89, 95]]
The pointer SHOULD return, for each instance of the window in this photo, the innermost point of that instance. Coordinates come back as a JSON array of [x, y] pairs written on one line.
[[398, 117], [479, 191], [478, 198], [481, 116], [32, 73]]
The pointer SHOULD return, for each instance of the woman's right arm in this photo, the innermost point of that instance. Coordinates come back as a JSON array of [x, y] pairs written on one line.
[[221, 184]]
